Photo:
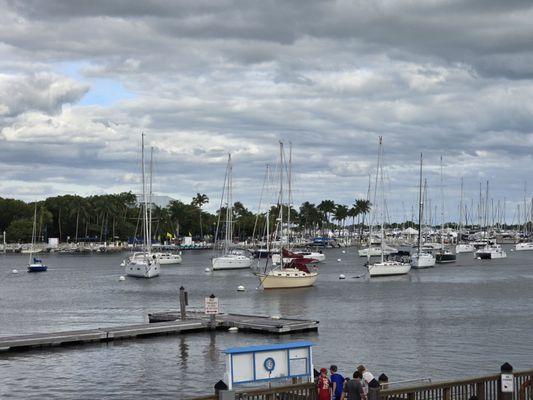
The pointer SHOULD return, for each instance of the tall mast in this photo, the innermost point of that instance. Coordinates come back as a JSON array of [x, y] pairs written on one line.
[[420, 207], [150, 202], [145, 201], [281, 200], [33, 233], [460, 212], [441, 204], [289, 205], [382, 208], [229, 209]]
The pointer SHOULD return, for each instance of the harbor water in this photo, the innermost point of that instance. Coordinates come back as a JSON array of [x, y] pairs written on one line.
[[450, 321]]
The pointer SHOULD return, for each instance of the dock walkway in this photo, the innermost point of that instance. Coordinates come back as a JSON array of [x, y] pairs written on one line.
[[164, 323]]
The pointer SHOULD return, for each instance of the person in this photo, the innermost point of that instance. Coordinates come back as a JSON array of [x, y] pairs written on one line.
[[337, 381], [324, 385], [370, 383], [353, 389]]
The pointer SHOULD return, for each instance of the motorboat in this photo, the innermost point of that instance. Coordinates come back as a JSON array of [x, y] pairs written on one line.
[[523, 246], [422, 260], [168, 258], [491, 252], [464, 248], [445, 257]]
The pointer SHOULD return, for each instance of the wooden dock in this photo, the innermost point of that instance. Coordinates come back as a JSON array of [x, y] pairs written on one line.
[[165, 323], [250, 323]]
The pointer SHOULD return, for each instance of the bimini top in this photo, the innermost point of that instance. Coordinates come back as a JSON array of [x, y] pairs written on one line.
[[269, 347]]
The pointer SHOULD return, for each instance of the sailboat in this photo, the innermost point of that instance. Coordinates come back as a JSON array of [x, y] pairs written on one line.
[[144, 264], [35, 264], [444, 255], [421, 259], [462, 247], [230, 258], [384, 267], [295, 273], [491, 250]]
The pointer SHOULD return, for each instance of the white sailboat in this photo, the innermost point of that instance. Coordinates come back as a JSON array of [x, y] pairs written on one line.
[[230, 258], [35, 264], [384, 267], [444, 255], [421, 259], [145, 263], [294, 274]]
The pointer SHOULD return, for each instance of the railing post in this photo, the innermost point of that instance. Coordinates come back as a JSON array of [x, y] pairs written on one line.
[[183, 303], [446, 393], [226, 395], [411, 396], [480, 390], [506, 382]]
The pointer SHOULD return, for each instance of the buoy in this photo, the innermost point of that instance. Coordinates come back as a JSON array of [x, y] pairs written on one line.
[[122, 278], [233, 329], [15, 271], [478, 258], [207, 270], [275, 317], [338, 260], [344, 252], [240, 288], [512, 249], [342, 276]]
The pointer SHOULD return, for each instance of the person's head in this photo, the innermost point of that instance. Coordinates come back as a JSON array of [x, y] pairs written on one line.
[[333, 369], [323, 371], [357, 375], [383, 378], [361, 368]]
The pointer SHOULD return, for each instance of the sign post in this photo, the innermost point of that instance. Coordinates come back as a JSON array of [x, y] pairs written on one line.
[[506, 383], [211, 309]]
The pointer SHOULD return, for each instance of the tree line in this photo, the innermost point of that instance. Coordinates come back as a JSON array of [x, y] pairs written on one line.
[[117, 217]]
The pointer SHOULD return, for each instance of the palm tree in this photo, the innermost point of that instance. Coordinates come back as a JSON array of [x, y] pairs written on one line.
[[362, 207], [326, 207], [198, 201], [341, 213]]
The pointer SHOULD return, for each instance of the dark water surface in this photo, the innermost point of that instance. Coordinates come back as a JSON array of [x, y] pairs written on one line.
[[446, 322]]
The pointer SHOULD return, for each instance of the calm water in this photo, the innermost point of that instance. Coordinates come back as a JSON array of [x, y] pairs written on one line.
[[445, 322]]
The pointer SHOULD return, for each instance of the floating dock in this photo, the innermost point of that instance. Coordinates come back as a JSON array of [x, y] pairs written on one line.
[[164, 323], [250, 323]]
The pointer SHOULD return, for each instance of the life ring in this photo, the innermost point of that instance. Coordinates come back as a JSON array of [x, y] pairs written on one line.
[[523, 386]]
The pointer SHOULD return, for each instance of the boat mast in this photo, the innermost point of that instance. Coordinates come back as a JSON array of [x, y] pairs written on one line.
[[460, 213], [145, 202], [441, 205], [150, 202], [33, 233], [289, 200], [382, 208], [420, 208], [281, 201], [229, 208]]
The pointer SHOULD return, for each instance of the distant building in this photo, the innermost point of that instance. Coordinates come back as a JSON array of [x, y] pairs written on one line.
[[159, 201]]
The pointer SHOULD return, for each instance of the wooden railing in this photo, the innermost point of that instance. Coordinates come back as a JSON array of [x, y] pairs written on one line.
[[483, 388]]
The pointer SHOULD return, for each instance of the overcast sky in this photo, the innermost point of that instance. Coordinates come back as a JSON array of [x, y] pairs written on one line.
[[80, 81]]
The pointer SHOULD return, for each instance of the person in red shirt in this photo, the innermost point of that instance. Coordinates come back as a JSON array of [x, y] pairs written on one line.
[[324, 385]]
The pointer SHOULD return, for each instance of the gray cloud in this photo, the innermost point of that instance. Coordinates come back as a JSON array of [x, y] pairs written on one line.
[[443, 77]]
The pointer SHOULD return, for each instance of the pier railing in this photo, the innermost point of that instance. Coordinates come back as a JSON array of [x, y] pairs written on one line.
[[483, 388], [480, 388]]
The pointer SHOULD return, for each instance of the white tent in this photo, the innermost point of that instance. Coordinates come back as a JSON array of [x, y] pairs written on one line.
[[410, 231]]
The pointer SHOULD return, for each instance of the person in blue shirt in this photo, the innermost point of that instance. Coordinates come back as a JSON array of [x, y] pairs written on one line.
[[337, 381]]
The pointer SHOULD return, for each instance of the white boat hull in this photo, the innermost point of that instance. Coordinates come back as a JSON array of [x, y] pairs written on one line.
[[464, 248], [287, 278], [523, 246], [231, 262], [168, 259], [422, 260], [376, 251], [388, 268], [142, 268]]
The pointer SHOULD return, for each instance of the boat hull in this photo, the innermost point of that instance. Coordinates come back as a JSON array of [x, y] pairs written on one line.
[[388, 268], [37, 268], [445, 258], [376, 251], [169, 260], [287, 279], [225, 263], [523, 246], [424, 260], [142, 269], [464, 248]]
